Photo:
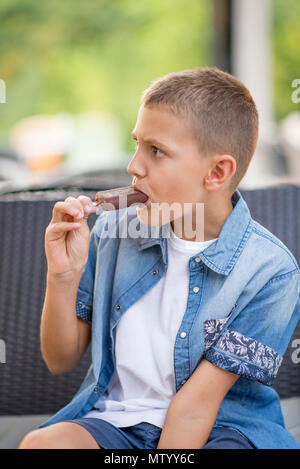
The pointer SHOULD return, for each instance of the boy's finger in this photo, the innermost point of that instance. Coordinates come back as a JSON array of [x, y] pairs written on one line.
[[74, 209], [62, 227], [87, 205], [75, 203]]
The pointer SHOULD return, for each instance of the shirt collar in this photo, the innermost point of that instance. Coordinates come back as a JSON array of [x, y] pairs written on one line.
[[221, 255]]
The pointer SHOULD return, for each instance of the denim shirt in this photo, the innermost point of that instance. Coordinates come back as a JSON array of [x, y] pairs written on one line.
[[241, 319]]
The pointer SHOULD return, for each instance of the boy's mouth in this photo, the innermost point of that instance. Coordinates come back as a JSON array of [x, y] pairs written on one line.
[[144, 204], [148, 201]]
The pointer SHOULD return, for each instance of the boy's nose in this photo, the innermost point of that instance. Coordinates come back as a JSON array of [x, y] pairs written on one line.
[[136, 167]]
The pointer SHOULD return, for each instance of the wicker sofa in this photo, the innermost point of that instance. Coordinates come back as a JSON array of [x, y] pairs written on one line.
[[28, 391]]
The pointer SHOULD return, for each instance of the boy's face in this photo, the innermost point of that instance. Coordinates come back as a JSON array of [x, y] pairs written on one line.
[[167, 165]]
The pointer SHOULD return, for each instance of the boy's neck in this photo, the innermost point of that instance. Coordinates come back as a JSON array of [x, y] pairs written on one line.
[[215, 215]]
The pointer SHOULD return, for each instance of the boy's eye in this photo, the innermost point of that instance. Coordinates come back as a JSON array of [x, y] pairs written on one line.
[[158, 152]]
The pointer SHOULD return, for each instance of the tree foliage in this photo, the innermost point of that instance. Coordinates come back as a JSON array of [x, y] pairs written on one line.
[[286, 33], [95, 55], [71, 56]]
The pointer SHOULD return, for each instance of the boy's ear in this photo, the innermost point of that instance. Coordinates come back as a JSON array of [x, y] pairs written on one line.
[[221, 171]]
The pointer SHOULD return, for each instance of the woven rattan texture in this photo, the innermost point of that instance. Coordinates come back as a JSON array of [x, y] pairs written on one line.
[[26, 386]]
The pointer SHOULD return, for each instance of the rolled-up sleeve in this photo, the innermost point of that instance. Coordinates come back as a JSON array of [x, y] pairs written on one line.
[[253, 343], [84, 300]]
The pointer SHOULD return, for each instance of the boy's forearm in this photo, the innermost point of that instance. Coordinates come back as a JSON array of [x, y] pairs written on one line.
[[185, 431], [59, 325], [194, 408]]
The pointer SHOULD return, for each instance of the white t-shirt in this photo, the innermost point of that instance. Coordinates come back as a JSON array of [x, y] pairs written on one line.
[[143, 383]]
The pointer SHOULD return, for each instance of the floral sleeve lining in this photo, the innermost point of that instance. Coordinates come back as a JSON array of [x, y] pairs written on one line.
[[244, 356]]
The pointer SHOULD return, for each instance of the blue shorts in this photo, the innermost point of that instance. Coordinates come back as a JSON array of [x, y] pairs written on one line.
[[146, 436]]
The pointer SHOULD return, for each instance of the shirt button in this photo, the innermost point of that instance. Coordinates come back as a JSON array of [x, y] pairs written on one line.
[[154, 272], [183, 335], [196, 289], [118, 307], [197, 259], [96, 389]]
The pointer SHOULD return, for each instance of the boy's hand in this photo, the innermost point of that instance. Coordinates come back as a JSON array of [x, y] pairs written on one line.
[[67, 237]]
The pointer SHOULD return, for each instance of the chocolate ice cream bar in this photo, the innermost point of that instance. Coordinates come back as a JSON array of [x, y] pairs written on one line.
[[121, 197]]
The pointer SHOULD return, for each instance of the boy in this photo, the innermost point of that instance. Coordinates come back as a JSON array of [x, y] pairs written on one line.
[[188, 329]]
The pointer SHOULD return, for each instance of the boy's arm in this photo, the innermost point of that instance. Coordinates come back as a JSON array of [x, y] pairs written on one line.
[[265, 324], [64, 336], [193, 410]]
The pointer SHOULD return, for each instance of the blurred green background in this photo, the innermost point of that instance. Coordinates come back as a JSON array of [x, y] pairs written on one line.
[[76, 56], [66, 56]]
